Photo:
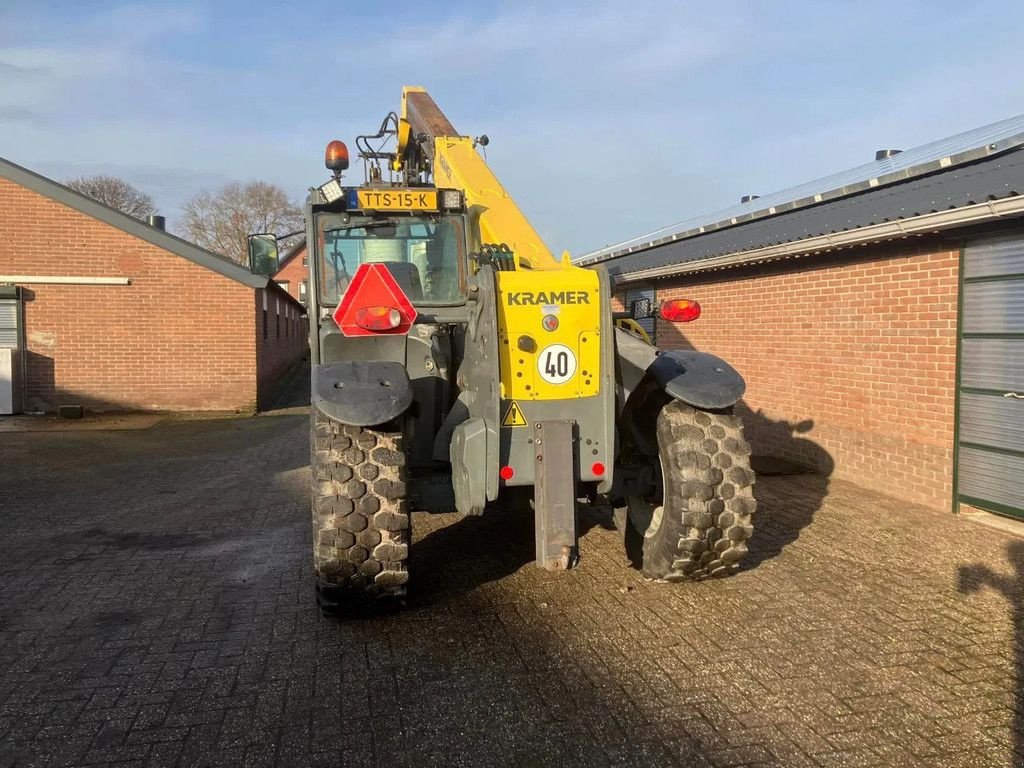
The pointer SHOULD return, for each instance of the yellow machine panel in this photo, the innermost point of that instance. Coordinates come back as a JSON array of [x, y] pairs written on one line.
[[549, 333]]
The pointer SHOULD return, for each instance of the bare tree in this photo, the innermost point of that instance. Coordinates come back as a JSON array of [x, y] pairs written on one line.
[[221, 221], [115, 192]]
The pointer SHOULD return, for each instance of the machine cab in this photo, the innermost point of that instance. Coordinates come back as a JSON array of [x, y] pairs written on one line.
[[425, 252], [418, 233], [383, 257]]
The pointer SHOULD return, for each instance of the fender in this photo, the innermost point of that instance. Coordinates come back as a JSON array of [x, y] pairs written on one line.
[[361, 393], [698, 379], [695, 378]]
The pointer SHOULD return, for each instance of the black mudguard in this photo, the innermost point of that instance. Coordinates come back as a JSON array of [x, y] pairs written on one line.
[[361, 394], [695, 378], [698, 379]]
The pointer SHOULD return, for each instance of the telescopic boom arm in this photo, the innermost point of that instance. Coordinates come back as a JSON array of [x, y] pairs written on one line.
[[429, 143]]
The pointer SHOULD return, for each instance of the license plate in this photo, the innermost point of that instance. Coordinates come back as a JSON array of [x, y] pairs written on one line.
[[397, 199]]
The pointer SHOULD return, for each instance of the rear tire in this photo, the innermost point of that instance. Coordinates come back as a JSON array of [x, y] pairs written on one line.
[[698, 524], [361, 526]]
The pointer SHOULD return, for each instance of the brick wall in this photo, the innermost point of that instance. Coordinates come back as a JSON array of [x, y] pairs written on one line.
[[850, 360], [294, 272], [282, 337], [179, 337]]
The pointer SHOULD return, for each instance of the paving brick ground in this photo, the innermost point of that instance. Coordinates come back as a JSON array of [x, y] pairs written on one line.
[[156, 609]]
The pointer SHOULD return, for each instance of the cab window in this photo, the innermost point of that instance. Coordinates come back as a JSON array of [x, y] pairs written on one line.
[[425, 254]]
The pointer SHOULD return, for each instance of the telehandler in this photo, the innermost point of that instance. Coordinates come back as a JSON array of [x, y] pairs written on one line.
[[455, 358]]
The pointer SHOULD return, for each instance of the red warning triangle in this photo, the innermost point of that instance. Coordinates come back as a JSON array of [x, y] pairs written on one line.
[[373, 285]]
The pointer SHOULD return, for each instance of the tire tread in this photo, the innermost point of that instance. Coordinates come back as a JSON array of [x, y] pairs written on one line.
[[708, 496], [360, 512]]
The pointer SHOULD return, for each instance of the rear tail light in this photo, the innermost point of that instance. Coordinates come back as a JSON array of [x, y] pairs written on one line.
[[378, 318], [680, 310]]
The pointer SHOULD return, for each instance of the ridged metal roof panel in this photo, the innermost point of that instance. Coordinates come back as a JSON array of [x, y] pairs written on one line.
[[993, 178], [929, 158]]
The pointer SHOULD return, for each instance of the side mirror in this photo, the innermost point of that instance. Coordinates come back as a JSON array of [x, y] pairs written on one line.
[[263, 257]]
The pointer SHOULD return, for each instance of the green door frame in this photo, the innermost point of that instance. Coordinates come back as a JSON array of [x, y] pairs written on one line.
[[988, 506]]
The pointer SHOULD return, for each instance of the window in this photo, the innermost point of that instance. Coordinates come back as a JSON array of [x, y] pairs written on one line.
[[426, 254], [305, 262]]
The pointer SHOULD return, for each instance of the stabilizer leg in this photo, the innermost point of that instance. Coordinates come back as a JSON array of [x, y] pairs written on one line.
[[554, 503]]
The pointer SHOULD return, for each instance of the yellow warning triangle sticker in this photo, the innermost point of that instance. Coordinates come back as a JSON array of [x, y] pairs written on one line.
[[514, 416]]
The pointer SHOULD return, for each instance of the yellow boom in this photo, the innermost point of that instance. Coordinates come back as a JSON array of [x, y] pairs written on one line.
[[424, 133]]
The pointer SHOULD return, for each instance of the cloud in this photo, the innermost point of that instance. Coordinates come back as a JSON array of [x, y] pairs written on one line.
[[9, 70], [41, 79], [589, 47], [20, 115], [110, 49], [606, 119]]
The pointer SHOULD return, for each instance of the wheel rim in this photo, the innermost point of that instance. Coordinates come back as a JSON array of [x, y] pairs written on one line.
[[645, 515]]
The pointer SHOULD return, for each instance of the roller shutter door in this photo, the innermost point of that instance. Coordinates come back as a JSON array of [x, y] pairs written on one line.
[[10, 331], [990, 434]]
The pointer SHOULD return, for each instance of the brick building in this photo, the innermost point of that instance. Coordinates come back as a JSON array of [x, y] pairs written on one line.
[[114, 314], [877, 316], [293, 272]]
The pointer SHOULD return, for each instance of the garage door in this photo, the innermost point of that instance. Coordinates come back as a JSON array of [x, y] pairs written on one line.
[[990, 437]]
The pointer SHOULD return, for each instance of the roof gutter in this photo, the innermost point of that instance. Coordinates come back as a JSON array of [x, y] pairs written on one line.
[[890, 230]]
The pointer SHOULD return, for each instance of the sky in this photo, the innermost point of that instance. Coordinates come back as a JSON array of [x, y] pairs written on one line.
[[606, 119]]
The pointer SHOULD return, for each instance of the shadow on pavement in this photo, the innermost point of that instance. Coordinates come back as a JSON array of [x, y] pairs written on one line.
[[496, 662], [971, 579], [470, 552], [778, 523], [292, 390]]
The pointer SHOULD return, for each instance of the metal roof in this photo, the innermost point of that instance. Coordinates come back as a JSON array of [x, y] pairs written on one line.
[[866, 217], [937, 156], [115, 218]]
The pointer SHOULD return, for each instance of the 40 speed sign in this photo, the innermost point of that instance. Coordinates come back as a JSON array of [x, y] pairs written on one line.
[[556, 364]]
